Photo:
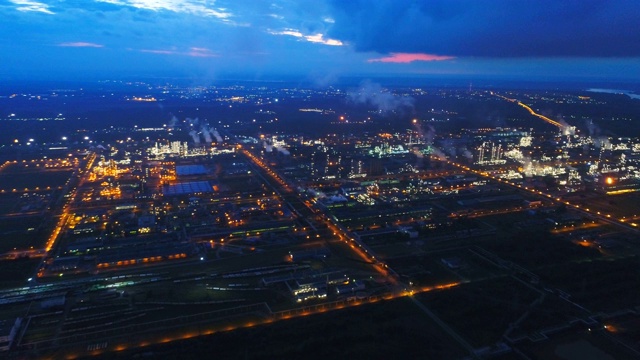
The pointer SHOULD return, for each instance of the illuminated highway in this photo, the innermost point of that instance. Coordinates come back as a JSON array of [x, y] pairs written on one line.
[[607, 218], [530, 110], [240, 317], [64, 216], [359, 248]]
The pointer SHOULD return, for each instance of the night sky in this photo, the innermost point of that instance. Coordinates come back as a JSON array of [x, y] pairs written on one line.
[[321, 40]]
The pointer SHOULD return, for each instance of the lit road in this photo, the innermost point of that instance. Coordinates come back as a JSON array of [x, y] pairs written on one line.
[[530, 110], [16, 254], [482, 213], [63, 217], [190, 326], [359, 248], [594, 213]]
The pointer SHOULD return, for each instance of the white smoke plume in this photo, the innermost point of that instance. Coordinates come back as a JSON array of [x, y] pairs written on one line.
[[268, 148], [427, 137], [467, 154], [373, 94], [216, 135], [193, 122], [438, 153], [527, 165], [205, 133], [566, 128], [450, 148], [173, 122], [282, 150], [195, 137], [592, 128], [602, 142], [419, 157]]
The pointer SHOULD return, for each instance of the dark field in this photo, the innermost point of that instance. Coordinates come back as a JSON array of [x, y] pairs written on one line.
[[20, 177], [393, 329]]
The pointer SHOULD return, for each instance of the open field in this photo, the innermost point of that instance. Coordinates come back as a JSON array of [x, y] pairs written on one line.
[[19, 177], [22, 233], [381, 330]]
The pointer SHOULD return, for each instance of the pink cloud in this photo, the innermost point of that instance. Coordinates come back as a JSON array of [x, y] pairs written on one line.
[[80, 44], [408, 57]]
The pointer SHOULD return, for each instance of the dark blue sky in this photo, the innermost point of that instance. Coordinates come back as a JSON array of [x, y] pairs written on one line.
[[321, 40]]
